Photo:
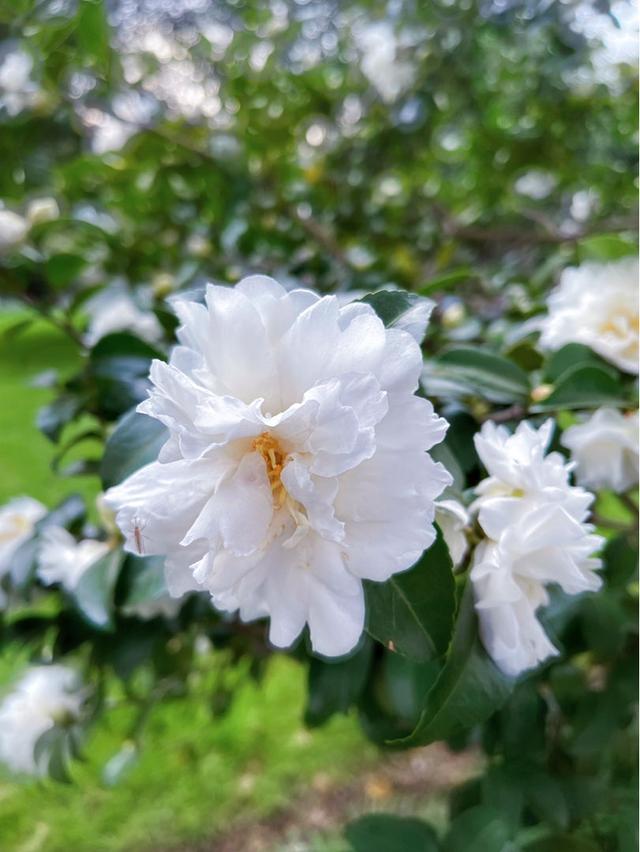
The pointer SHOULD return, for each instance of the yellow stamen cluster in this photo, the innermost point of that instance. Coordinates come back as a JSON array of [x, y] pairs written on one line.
[[274, 458]]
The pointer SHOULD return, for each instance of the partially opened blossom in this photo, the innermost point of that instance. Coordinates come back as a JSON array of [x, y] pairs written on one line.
[[18, 518], [605, 450], [597, 304], [62, 559], [296, 464], [453, 519], [44, 697], [536, 535]]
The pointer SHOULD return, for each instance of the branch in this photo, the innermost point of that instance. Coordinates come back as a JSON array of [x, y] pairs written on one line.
[[532, 236]]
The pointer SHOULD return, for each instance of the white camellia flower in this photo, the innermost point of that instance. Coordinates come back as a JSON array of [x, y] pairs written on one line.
[[296, 464], [596, 304], [43, 697], [453, 519], [42, 210], [114, 309], [62, 559], [605, 450], [534, 521], [18, 518], [13, 230]]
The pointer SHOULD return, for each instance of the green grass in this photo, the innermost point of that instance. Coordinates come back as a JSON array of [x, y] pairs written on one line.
[[25, 452], [196, 773]]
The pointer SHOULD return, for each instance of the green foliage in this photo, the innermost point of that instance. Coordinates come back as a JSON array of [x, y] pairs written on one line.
[[412, 613]]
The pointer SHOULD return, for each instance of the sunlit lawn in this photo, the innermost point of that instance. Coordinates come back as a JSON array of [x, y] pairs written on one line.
[[196, 773]]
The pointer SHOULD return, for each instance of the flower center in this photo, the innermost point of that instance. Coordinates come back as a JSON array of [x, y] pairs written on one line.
[[274, 458]]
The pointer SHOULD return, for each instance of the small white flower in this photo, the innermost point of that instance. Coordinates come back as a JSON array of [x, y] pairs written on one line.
[[13, 230], [45, 696], [62, 559], [605, 450], [18, 518], [596, 304], [17, 90], [534, 521], [536, 184], [381, 63], [296, 463], [453, 519], [114, 309], [42, 210]]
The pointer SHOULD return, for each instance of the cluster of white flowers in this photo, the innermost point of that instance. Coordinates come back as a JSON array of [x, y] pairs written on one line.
[[605, 450], [597, 304], [62, 559], [536, 534], [115, 309], [18, 518], [296, 464], [44, 697]]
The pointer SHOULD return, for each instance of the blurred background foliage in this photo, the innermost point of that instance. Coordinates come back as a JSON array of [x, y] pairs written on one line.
[[462, 150]]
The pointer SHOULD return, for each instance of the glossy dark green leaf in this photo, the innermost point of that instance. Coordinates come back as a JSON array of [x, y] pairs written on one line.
[[93, 596], [568, 358], [584, 387], [333, 687], [398, 307], [135, 441], [413, 611], [469, 689], [52, 418], [144, 579], [469, 371], [481, 829], [119, 365], [390, 833]]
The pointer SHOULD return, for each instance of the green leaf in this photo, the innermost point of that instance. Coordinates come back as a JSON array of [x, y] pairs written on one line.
[[481, 829], [414, 610], [401, 309], [93, 596], [584, 387], [391, 833], [545, 797], [333, 687], [469, 689], [119, 364], [52, 754], [51, 419], [570, 356], [93, 34], [471, 371], [606, 247], [144, 578], [63, 269], [134, 442], [447, 280]]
